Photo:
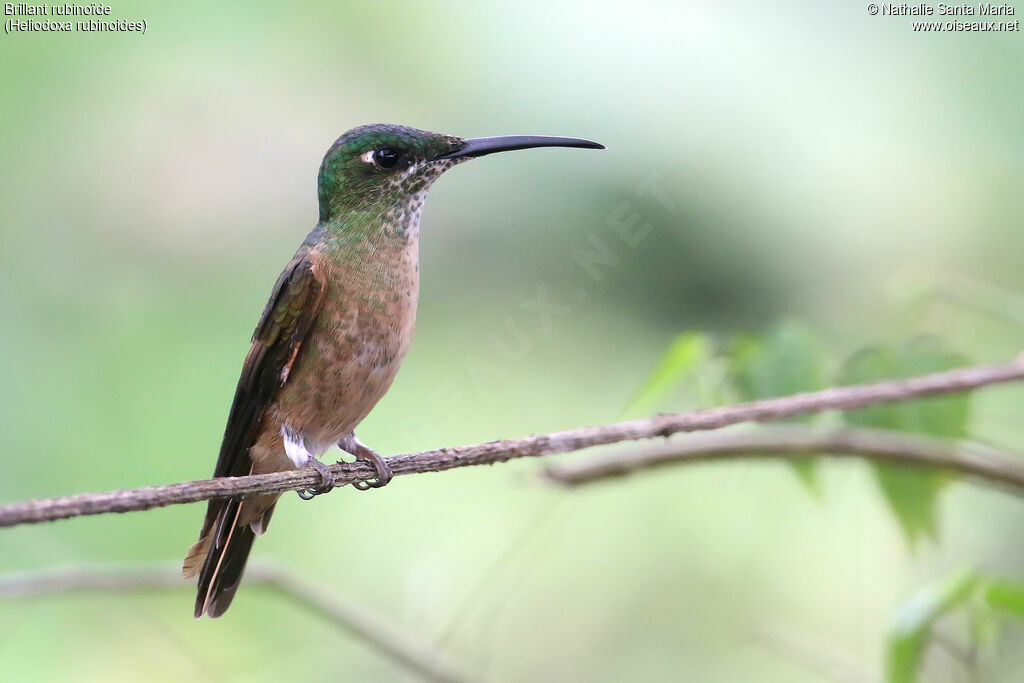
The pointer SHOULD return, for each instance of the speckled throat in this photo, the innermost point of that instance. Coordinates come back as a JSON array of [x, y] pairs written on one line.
[[393, 211]]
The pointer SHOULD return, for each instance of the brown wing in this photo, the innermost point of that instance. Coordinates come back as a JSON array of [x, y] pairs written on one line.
[[293, 306]]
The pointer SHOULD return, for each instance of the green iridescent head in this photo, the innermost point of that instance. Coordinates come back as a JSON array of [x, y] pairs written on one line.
[[388, 167]]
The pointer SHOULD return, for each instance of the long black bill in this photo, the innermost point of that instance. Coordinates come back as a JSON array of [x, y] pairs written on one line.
[[478, 147]]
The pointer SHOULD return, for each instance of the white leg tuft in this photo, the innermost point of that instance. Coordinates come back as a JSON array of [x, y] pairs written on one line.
[[295, 448]]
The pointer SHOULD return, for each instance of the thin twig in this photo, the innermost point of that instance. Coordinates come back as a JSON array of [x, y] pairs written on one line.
[[414, 655], [801, 441], [836, 398]]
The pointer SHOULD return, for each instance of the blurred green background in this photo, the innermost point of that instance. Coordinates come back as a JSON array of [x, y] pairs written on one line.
[[817, 164]]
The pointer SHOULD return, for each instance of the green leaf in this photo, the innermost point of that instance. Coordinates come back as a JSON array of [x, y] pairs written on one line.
[[912, 494], [688, 351], [1006, 596], [870, 365], [941, 416], [786, 360], [911, 629]]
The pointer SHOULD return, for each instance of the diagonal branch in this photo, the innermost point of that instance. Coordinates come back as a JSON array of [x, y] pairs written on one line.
[[802, 441], [414, 655], [835, 398]]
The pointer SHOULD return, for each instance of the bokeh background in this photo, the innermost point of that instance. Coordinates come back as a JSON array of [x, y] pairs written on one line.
[[816, 163]]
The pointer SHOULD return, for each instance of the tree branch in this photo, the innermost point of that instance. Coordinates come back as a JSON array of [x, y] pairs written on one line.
[[801, 441], [416, 656], [836, 398]]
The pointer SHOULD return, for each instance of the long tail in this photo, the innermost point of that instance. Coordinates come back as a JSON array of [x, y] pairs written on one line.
[[219, 557]]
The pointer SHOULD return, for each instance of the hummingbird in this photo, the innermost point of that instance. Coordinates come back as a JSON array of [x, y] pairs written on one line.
[[333, 334]]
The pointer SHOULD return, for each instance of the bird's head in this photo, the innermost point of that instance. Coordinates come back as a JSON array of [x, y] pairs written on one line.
[[389, 167]]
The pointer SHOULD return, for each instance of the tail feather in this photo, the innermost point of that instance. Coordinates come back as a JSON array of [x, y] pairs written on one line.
[[196, 556], [226, 548], [259, 525]]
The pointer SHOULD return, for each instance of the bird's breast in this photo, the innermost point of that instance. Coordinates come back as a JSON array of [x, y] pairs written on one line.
[[355, 348]]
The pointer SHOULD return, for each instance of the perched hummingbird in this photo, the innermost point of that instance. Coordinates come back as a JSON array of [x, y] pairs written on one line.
[[334, 332]]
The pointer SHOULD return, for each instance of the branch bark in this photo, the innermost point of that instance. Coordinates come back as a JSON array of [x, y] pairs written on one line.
[[836, 398], [802, 441], [414, 655]]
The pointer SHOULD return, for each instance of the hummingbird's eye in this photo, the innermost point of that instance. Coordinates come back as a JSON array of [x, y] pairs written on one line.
[[385, 157]]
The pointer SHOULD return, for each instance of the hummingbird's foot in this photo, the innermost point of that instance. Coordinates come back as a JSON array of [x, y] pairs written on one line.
[[326, 480], [353, 446], [383, 471]]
